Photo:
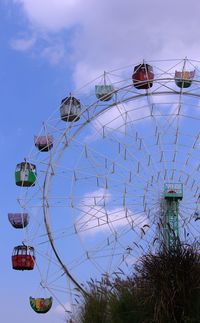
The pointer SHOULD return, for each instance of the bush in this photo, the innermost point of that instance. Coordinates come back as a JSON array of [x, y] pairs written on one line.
[[164, 288], [172, 282]]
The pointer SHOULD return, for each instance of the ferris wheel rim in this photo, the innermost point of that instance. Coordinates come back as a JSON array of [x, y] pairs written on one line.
[[71, 131], [109, 106]]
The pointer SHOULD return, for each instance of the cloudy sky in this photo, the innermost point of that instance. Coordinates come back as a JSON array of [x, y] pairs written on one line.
[[51, 47]]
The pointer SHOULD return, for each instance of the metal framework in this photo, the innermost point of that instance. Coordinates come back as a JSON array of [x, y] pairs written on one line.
[[173, 193], [96, 203]]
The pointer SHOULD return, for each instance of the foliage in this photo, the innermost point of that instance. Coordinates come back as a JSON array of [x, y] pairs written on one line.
[[172, 281], [164, 288]]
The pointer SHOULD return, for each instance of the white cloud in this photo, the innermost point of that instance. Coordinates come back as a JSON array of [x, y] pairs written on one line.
[[62, 309], [51, 15], [115, 33], [83, 73], [118, 117], [111, 119], [54, 53], [23, 44], [97, 216]]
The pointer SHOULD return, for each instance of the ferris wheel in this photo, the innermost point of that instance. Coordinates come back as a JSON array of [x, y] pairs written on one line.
[[113, 174]]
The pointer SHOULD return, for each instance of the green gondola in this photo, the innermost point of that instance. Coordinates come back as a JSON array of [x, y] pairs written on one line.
[[25, 174]]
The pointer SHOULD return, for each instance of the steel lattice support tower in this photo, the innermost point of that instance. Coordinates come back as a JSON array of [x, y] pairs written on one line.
[[173, 193]]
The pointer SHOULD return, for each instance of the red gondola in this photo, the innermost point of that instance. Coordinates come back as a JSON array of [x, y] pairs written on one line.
[[43, 143], [143, 76], [18, 220], [23, 258]]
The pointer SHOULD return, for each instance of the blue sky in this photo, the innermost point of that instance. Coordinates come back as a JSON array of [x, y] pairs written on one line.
[[49, 48]]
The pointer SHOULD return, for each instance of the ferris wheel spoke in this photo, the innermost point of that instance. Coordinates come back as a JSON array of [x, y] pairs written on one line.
[[99, 201]]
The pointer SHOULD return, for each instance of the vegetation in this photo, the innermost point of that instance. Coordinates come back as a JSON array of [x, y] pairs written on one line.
[[164, 288]]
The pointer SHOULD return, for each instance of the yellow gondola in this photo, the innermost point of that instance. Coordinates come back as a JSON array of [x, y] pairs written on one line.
[[41, 305], [184, 79]]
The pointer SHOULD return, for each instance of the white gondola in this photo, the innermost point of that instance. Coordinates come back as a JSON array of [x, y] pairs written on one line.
[[104, 92], [70, 109]]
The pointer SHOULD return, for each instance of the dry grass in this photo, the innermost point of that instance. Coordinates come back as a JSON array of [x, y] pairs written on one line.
[[165, 288]]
